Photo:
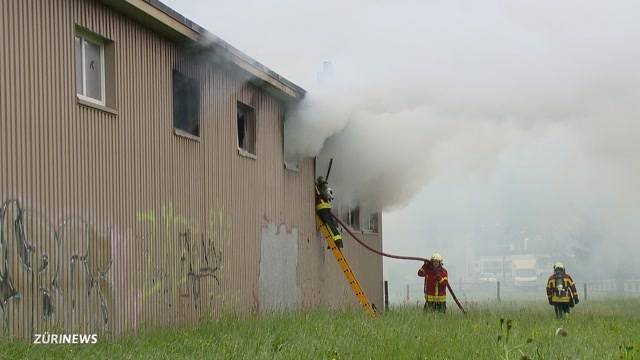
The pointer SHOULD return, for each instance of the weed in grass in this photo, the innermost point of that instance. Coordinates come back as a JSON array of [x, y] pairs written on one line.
[[506, 349]]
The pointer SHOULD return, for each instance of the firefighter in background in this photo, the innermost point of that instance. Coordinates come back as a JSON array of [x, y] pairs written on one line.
[[324, 196], [435, 284], [561, 291]]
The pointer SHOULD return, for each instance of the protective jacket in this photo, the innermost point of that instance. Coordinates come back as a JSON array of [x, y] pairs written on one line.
[[561, 289], [435, 282], [323, 209], [323, 198]]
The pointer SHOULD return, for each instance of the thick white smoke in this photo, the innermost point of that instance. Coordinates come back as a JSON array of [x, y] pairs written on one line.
[[426, 89], [523, 114]]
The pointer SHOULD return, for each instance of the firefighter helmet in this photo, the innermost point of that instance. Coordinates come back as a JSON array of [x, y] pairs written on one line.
[[436, 257], [558, 265], [330, 194]]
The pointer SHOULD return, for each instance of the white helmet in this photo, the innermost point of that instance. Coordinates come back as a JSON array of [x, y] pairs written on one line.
[[436, 257], [558, 265]]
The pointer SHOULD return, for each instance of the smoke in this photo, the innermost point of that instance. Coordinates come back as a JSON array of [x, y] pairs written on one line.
[[445, 88], [472, 124]]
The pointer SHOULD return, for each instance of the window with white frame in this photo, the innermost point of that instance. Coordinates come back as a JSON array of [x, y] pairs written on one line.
[[90, 67], [371, 223], [350, 215]]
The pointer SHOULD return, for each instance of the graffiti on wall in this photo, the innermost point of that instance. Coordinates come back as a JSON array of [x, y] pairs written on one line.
[[199, 253], [59, 273], [42, 265], [199, 259]]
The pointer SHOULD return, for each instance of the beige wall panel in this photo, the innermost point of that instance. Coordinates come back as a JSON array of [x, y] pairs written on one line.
[[123, 224]]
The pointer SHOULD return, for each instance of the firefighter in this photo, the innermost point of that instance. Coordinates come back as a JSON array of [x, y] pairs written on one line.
[[324, 196], [561, 291], [435, 284]]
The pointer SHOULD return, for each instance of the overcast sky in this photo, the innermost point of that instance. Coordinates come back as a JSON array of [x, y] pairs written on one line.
[[474, 125]]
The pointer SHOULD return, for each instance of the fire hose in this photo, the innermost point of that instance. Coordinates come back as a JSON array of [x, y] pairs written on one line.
[[395, 257]]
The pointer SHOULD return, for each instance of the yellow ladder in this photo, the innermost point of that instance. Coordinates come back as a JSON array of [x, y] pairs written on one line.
[[346, 269]]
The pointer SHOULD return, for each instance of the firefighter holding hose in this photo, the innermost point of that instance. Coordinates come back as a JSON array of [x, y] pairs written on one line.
[[561, 291], [435, 284]]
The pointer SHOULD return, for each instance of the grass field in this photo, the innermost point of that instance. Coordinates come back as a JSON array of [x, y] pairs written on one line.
[[596, 330]]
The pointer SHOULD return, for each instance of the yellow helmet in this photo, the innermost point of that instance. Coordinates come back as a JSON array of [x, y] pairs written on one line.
[[436, 257], [558, 265]]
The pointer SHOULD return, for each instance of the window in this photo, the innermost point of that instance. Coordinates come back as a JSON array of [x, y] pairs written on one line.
[[353, 217], [186, 105], [95, 70], [90, 68], [291, 162], [371, 223], [246, 129], [350, 216], [343, 213]]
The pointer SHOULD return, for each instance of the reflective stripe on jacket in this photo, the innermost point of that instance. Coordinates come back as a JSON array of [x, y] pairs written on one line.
[[323, 205]]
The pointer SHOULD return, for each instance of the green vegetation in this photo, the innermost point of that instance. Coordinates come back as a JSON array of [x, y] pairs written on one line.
[[595, 330]]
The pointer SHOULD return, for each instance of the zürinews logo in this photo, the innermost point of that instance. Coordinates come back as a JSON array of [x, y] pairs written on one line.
[[47, 338]]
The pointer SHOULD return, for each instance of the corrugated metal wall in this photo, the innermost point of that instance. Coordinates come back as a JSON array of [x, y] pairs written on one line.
[[112, 223]]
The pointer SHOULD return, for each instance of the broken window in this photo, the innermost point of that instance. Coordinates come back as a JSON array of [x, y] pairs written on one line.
[[246, 128], [354, 218], [186, 104], [291, 162]]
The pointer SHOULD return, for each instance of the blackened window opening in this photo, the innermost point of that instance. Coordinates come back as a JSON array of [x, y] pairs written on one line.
[[246, 128], [186, 104]]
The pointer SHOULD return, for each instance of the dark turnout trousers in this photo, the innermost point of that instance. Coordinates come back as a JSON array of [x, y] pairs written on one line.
[[325, 216], [561, 309], [435, 306]]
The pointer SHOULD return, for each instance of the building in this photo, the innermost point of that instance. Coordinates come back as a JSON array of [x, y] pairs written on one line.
[[142, 177]]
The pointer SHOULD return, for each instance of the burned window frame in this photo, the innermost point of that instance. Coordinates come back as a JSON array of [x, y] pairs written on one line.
[[354, 218], [249, 119], [186, 105]]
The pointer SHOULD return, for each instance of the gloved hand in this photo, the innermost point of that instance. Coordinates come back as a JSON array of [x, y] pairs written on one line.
[[576, 301]]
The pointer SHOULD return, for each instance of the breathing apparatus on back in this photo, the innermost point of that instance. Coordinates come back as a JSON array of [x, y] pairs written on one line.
[[560, 288]]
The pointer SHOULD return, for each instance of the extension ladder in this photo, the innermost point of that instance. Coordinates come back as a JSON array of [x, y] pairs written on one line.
[[346, 269]]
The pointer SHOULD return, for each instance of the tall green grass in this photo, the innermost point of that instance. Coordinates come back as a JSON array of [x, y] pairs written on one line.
[[595, 330]]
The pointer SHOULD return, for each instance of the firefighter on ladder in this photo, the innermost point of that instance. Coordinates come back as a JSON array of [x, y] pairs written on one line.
[[324, 196], [435, 284], [561, 291]]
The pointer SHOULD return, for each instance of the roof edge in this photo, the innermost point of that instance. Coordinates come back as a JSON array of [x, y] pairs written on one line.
[[169, 22]]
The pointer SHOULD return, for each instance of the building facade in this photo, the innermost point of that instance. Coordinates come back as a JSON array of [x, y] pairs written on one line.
[[142, 177]]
